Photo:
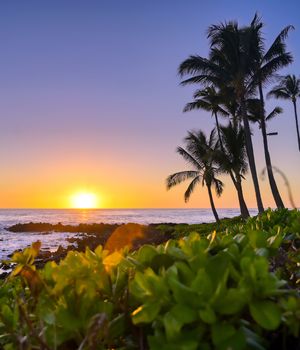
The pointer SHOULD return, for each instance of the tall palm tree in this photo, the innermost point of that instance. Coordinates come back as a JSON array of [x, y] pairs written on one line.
[[233, 158], [254, 115], [269, 62], [199, 153], [288, 89], [231, 63]]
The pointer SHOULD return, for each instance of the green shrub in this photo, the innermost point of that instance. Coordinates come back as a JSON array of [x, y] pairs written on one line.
[[216, 290]]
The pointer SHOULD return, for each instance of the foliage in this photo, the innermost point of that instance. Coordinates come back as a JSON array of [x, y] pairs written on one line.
[[216, 290], [200, 153]]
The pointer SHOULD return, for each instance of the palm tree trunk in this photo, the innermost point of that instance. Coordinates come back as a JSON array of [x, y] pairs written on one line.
[[297, 126], [242, 203], [272, 182], [250, 153], [212, 204], [244, 210]]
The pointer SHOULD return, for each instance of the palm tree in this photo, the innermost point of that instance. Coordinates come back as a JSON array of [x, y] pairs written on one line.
[[232, 159], [209, 100], [269, 62], [288, 89], [199, 153], [231, 63], [254, 115]]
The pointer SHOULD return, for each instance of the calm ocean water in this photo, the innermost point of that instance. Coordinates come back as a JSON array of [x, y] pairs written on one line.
[[11, 241]]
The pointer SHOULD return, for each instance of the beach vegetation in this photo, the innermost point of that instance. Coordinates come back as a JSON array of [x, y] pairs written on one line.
[[237, 288]]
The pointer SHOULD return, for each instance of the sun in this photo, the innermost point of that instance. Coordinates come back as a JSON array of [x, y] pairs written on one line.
[[84, 200]]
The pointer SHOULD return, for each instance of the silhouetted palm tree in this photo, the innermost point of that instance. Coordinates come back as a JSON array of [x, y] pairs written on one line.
[[199, 153], [288, 89], [210, 100], [231, 63], [254, 115], [233, 158], [269, 62]]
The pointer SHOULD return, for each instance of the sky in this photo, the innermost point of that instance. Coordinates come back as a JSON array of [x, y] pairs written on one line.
[[90, 100]]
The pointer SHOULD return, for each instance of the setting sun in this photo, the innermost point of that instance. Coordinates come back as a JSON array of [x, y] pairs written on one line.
[[84, 201]]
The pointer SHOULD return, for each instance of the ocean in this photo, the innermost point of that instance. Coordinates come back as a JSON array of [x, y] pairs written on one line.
[[10, 241]]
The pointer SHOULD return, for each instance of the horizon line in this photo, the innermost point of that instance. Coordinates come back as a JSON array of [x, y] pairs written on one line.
[[124, 208]]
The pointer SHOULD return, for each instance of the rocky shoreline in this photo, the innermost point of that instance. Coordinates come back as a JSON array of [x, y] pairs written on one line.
[[110, 236]]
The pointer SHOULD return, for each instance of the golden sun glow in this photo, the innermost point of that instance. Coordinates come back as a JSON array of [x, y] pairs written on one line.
[[84, 200]]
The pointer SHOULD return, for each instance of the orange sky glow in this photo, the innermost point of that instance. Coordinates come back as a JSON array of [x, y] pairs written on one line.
[[91, 102]]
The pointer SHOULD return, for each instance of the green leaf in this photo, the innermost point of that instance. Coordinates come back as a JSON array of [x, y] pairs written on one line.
[[266, 313], [159, 342], [172, 325], [222, 332], [146, 253], [233, 302], [184, 313], [185, 273], [146, 284], [145, 313], [276, 240], [257, 239], [217, 268], [202, 284], [236, 342], [182, 294], [7, 316], [161, 261], [208, 315]]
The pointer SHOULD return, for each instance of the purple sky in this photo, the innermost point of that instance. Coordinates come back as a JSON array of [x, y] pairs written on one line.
[[90, 97]]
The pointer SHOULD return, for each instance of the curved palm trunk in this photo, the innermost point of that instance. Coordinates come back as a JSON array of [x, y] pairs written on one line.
[[297, 126], [212, 204], [272, 182], [244, 210], [250, 153], [242, 203], [243, 206]]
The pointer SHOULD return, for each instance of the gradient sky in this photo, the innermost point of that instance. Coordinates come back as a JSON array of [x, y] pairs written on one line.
[[90, 99]]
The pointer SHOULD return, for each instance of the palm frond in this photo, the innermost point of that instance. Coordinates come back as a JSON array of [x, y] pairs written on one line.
[[197, 104], [233, 157], [218, 185], [204, 79], [268, 70], [212, 139], [278, 45], [287, 88], [279, 92], [254, 110], [195, 65], [177, 178], [191, 188], [188, 157], [276, 111]]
